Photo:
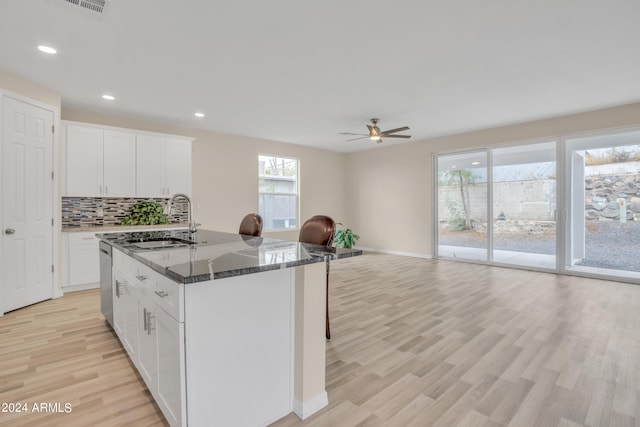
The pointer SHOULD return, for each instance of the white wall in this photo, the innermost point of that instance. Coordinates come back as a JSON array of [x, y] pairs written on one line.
[[384, 194], [225, 174], [20, 86], [390, 187]]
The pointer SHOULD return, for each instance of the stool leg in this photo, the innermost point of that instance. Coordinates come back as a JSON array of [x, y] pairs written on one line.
[[328, 328]]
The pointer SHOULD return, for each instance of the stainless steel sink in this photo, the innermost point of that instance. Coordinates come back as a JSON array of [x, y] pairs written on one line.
[[161, 243]]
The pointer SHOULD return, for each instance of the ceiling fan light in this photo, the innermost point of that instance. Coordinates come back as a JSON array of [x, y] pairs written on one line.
[[375, 137]]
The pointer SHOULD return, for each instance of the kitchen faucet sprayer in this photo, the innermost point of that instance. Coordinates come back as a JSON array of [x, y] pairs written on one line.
[[169, 208]]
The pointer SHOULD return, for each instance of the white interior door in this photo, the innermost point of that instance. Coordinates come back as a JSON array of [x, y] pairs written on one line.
[[27, 213]]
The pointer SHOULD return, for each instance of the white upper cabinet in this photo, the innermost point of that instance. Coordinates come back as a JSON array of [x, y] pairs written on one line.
[[177, 177], [163, 166], [100, 163], [119, 166], [84, 161], [149, 166]]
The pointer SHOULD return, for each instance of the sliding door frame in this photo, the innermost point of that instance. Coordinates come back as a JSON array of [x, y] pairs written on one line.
[[435, 225], [564, 196], [559, 217]]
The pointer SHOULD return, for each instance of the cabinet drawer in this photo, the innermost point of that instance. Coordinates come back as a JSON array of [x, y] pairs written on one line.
[[127, 265], [166, 293], [169, 296], [137, 273]]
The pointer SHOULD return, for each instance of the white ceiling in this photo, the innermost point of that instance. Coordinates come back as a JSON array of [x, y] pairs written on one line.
[[300, 72]]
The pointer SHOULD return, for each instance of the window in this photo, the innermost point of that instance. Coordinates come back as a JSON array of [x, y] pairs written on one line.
[[278, 192]]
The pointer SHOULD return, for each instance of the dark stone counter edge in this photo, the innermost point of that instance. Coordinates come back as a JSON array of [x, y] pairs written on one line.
[[320, 258], [317, 250]]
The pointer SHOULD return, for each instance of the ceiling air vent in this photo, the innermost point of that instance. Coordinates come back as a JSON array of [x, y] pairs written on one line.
[[93, 5]]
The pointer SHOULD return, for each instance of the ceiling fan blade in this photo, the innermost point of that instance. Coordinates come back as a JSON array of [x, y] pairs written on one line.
[[351, 133], [397, 136], [387, 132], [373, 131], [355, 139]]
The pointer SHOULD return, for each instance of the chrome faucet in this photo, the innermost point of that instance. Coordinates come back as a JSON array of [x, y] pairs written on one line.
[[169, 208]]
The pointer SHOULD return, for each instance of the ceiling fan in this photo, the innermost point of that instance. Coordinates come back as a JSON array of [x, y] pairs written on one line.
[[375, 134]]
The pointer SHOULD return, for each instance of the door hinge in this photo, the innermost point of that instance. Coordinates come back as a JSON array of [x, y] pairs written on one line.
[[53, 128], [52, 268], [52, 222], [51, 175]]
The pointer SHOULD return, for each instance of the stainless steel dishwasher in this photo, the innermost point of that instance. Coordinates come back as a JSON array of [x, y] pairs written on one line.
[[106, 295]]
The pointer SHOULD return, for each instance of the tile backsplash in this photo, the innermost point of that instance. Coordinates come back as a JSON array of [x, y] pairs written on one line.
[[92, 211]]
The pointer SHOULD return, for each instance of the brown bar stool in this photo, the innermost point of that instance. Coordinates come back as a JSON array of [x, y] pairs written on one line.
[[320, 230], [251, 225]]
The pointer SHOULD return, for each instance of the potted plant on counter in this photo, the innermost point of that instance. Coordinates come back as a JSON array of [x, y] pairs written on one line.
[[145, 213], [345, 238]]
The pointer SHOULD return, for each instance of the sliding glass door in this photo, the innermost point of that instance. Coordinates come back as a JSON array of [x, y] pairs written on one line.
[[524, 205], [462, 205], [603, 233], [500, 205], [518, 225]]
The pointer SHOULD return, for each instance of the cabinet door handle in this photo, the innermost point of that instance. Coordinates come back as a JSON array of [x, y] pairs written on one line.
[[117, 288], [144, 320], [141, 277], [149, 317], [99, 189], [8, 231], [161, 294]]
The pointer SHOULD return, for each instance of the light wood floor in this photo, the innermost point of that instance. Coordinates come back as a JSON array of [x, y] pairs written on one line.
[[63, 351], [414, 343]]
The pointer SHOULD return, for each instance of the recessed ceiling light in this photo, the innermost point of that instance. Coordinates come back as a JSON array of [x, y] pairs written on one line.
[[200, 115], [47, 49], [108, 97], [475, 163], [453, 167]]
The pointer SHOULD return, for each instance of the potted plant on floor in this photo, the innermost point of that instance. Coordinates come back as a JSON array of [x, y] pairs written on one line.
[[345, 238]]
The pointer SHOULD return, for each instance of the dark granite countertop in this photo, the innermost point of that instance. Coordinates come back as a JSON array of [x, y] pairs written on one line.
[[217, 255]]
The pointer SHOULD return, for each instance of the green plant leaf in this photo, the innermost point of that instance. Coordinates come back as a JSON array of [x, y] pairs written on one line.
[[145, 213]]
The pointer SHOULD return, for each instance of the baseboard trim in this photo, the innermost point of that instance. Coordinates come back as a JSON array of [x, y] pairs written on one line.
[[401, 253], [82, 287], [306, 409]]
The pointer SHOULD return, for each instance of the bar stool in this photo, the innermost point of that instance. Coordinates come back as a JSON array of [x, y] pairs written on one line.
[[251, 225], [320, 230]]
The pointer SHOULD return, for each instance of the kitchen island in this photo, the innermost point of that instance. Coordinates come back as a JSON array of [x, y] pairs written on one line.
[[224, 329]]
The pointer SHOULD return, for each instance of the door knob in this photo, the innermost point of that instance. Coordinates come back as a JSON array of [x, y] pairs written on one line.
[[9, 231]]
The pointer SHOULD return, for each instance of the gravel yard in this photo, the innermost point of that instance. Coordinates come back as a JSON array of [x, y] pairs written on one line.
[[609, 244]]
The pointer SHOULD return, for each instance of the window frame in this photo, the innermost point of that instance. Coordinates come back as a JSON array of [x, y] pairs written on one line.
[[268, 228]]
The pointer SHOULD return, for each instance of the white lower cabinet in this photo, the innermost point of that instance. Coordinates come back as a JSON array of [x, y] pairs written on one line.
[[147, 352], [80, 260], [81, 265], [153, 338], [215, 353], [118, 303], [171, 381], [125, 312]]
